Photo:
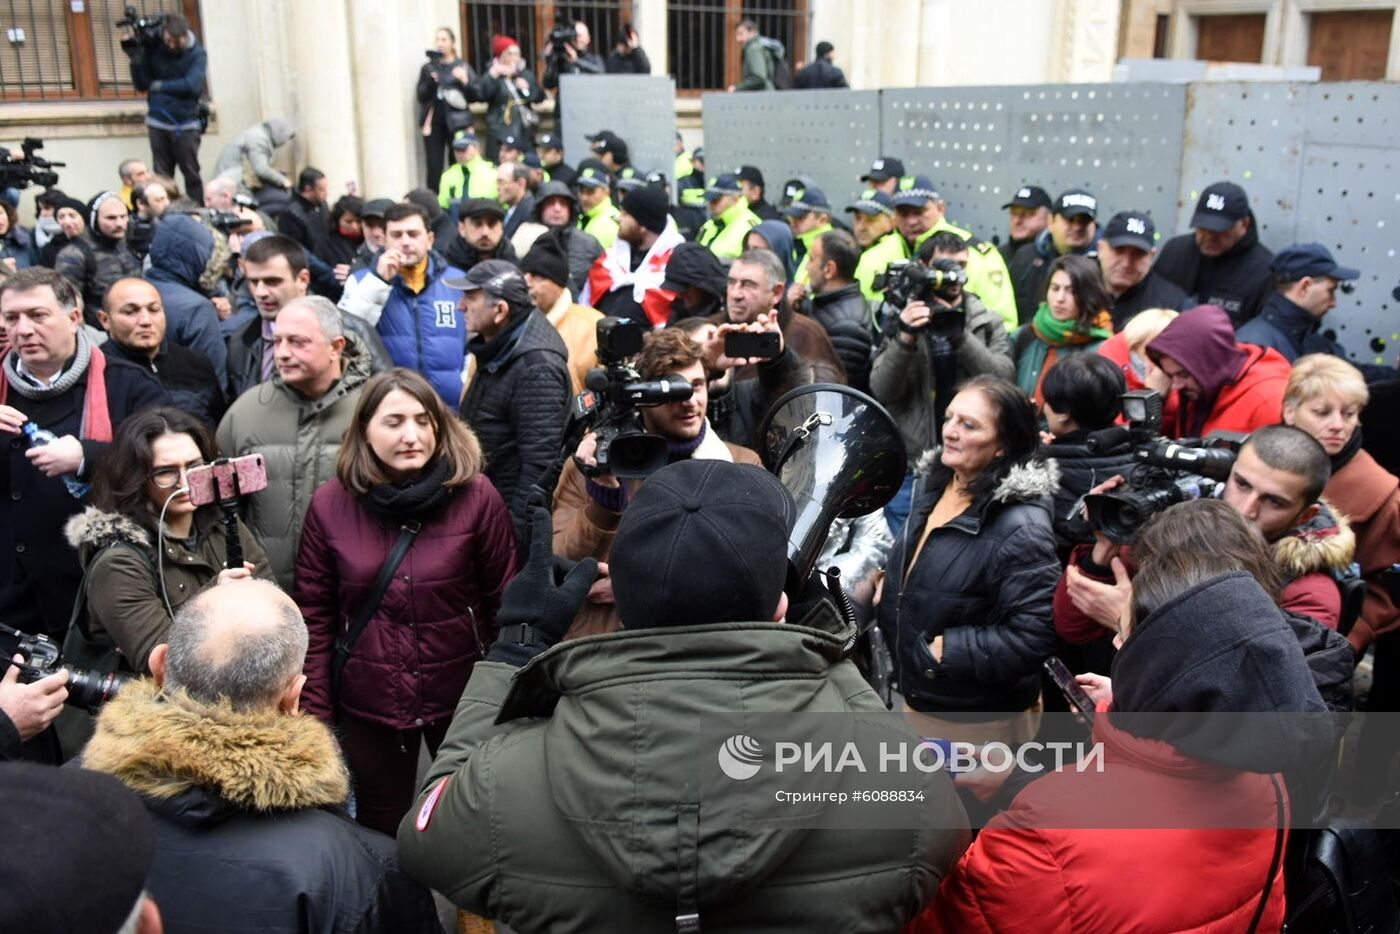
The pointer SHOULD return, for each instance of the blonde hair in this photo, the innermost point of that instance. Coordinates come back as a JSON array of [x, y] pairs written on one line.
[[1318, 373], [1146, 325]]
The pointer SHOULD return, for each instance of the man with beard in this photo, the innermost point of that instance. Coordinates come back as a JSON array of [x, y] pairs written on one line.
[[480, 234], [557, 209], [626, 280]]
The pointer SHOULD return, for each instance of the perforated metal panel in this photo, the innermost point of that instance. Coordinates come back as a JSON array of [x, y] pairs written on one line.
[[639, 108], [978, 145], [1319, 162], [831, 136]]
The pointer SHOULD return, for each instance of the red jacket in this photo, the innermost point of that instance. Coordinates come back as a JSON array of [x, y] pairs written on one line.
[[1242, 384], [436, 620], [1068, 857], [1369, 495]]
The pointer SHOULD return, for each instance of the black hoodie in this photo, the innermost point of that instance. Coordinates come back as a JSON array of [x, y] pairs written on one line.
[[1221, 647], [1238, 281]]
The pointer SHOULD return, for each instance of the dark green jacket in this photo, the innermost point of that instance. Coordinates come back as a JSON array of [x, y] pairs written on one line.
[[574, 821], [757, 70]]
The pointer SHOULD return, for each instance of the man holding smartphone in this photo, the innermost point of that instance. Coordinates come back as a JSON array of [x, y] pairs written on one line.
[[587, 509]]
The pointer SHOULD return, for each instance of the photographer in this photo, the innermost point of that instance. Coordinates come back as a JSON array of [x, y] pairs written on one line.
[[146, 549], [1276, 485], [587, 509], [1083, 394], [923, 356], [568, 52], [508, 87], [443, 85], [628, 57], [169, 64], [604, 732]]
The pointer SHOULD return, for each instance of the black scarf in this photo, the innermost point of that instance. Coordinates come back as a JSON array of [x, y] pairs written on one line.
[[418, 498], [1348, 451]]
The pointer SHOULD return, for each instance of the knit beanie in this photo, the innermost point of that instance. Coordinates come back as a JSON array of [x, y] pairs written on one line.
[[648, 206], [500, 43], [548, 258]]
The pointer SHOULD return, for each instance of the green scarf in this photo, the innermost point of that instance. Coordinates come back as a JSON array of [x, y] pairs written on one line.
[[1059, 333]]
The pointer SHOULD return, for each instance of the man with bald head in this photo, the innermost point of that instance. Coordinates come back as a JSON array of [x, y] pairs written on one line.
[[295, 420], [134, 319], [247, 797]]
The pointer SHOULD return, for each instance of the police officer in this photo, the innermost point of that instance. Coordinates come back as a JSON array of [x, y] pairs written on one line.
[[552, 156], [919, 214], [1073, 229], [598, 216], [1126, 251], [470, 176], [730, 218], [751, 180], [1222, 261], [884, 175], [690, 193], [873, 216], [1029, 214]]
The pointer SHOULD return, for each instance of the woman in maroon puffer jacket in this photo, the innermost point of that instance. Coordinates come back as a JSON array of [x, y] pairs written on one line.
[[405, 458]]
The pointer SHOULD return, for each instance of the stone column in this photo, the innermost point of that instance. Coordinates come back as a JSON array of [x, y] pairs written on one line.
[[649, 19]]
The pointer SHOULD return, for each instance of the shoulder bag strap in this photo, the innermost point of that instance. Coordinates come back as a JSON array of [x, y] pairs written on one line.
[[345, 645], [1274, 863]]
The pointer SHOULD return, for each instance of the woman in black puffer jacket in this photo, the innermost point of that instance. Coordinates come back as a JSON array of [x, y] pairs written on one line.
[[966, 605]]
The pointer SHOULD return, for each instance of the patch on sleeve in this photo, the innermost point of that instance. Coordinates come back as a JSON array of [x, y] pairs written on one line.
[[430, 803]]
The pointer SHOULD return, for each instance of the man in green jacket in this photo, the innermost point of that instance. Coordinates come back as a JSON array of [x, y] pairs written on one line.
[[634, 819], [809, 216], [731, 218], [757, 74], [598, 216]]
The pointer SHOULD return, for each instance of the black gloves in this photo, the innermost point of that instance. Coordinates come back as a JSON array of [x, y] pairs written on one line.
[[539, 605]]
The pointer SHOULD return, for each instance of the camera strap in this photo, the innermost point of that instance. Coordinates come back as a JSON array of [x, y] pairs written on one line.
[[345, 645]]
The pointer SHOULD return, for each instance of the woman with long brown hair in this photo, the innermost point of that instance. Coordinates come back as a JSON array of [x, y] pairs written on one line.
[[1073, 317], [408, 470]]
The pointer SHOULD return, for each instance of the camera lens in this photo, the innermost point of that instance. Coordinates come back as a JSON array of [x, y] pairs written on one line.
[[91, 689]]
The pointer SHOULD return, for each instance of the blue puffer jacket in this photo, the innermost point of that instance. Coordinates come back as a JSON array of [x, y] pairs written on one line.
[[174, 82], [179, 254], [423, 332]]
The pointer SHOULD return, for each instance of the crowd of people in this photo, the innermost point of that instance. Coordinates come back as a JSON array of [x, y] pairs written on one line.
[[433, 547]]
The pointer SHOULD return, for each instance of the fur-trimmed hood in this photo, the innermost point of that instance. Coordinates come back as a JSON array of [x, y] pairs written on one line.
[[163, 746], [94, 529], [1325, 543], [1024, 483]]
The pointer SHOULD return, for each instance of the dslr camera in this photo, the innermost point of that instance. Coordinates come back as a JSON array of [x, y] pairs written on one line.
[[32, 169], [145, 30], [610, 403], [908, 281], [88, 690], [1165, 473]]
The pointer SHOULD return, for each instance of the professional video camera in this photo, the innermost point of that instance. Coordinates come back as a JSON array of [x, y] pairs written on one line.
[[227, 221], [145, 30], [908, 281], [42, 657], [1166, 473], [615, 391], [31, 169], [563, 33]]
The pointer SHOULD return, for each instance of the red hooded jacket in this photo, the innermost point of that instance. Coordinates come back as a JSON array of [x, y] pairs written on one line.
[[1242, 384]]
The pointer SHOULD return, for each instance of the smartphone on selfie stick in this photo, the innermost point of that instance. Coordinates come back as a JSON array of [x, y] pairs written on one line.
[[225, 482]]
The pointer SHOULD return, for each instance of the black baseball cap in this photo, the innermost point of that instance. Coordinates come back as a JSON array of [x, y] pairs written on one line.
[[504, 278], [1077, 202], [1309, 259], [1028, 196], [806, 201], [375, 208], [1131, 228], [721, 185], [600, 136], [872, 201], [613, 145], [548, 141], [479, 207], [532, 159], [750, 174], [512, 141], [1220, 207], [702, 542], [883, 169]]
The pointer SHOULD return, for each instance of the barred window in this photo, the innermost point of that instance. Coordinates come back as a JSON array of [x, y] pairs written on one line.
[[700, 38], [529, 23], [65, 50]]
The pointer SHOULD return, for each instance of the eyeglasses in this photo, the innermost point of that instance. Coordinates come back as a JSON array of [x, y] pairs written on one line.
[[168, 477]]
